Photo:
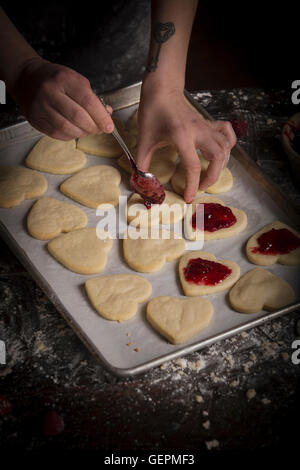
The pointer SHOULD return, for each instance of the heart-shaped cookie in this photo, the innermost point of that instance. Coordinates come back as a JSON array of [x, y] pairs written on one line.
[[162, 163], [223, 184], [201, 273], [18, 183], [150, 254], [170, 211], [116, 297], [48, 217], [274, 243], [179, 319], [81, 251], [220, 221], [93, 186], [56, 156], [105, 145], [259, 290]]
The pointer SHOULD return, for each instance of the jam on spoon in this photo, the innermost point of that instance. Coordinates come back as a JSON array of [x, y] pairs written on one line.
[[276, 242], [203, 271], [148, 205], [216, 217], [148, 187]]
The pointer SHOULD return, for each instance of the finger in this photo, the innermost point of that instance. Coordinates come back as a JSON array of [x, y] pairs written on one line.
[[212, 173], [212, 152], [224, 147], [225, 162], [56, 126], [143, 156], [74, 113], [214, 145], [225, 128], [85, 97], [191, 163], [222, 141]]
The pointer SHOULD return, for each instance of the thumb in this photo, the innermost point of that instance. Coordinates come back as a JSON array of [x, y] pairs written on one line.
[[143, 155]]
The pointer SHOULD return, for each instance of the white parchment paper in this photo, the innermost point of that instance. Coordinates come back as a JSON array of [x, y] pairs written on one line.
[[109, 339]]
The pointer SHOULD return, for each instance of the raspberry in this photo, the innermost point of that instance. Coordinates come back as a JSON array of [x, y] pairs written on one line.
[[53, 424], [239, 127], [5, 406]]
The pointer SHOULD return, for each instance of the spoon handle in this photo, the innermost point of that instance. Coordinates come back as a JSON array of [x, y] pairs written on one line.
[[119, 139]]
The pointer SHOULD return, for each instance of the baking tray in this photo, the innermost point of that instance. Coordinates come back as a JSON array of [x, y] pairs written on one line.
[[107, 340]]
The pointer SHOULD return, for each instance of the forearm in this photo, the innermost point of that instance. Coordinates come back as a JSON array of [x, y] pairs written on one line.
[[172, 22], [14, 51]]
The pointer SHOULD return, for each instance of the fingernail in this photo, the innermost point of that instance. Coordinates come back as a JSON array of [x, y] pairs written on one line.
[[109, 128]]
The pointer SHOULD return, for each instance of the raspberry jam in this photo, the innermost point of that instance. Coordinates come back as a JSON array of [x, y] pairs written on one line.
[[148, 204], [216, 217], [203, 271], [276, 242], [149, 188]]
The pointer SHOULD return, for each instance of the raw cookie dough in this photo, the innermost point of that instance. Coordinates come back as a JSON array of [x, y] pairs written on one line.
[[93, 186], [48, 217], [162, 163], [116, 297], [202, 289], [292, 258], [158, 213], [179, 319], [81, 251], [105, 145], [56, 156], [18, 183], [259, 289], [149, 255], [239, 226], [223, 184]]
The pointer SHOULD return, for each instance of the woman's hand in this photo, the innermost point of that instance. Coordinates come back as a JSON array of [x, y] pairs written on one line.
[[58, 101], [166, 117]]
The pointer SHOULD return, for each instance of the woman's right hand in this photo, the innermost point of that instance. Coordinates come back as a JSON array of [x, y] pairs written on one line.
[[58, 101]]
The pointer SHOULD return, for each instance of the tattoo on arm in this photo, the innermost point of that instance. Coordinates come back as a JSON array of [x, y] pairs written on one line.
[[161, 33]]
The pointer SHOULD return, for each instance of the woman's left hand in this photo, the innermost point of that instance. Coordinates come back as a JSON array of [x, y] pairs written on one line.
[[166, 117]]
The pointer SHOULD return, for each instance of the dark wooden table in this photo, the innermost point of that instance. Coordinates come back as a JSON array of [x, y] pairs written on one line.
[[241, 393]]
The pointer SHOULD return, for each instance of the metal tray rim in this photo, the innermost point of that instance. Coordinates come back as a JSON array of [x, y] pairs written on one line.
[[142, 368]]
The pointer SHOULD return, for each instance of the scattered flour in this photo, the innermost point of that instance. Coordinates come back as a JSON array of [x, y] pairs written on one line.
[[250, 393], [206, 424], [212, 444]]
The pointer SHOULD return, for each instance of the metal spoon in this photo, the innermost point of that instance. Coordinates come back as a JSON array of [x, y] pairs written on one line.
[[145, 184]]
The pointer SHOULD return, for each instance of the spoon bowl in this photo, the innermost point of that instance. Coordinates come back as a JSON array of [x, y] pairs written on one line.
[[148, 187]]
